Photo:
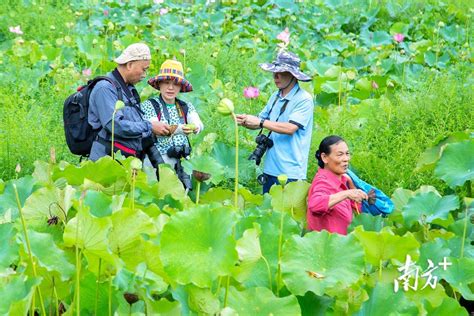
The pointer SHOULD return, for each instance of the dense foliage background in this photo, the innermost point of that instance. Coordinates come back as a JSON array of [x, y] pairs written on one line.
[[394, 78]]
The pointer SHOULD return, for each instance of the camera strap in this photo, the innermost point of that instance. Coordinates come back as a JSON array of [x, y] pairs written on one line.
[[283, 108]]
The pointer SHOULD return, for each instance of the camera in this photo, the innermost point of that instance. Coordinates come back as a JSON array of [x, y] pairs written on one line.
[[149, 148], [263, 143], [178, 152]]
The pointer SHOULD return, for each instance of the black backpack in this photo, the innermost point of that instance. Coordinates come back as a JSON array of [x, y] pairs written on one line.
[[79, 133]]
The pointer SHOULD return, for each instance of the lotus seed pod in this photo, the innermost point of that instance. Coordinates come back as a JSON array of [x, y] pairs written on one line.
[[225, 107], [136, 164], [282, 179], [119, 104]]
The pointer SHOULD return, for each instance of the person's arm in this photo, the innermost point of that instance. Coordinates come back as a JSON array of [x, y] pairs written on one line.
[[320, 199]]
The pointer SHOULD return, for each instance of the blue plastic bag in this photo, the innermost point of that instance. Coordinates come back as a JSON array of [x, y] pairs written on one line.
[[382, 206]]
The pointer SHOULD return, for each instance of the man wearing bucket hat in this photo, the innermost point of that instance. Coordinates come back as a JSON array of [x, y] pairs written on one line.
[[179, 118], [288, 116], [129, 126]]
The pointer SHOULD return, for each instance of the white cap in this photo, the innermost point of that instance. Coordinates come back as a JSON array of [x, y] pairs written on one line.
[[137, 51]]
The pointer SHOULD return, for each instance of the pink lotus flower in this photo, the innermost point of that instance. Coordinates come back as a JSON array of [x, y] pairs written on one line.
[[163, 11], [16, 30], [87, 72], [375, 85], [284, 36], [106, 12], [399, 37], [251, 92]]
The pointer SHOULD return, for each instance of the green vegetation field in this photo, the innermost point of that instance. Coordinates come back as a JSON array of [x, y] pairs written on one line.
[[394, 78]]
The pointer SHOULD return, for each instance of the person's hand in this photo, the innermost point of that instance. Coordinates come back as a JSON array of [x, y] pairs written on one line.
[[160, 128], [249, 121], [356, 195], [241, 118]]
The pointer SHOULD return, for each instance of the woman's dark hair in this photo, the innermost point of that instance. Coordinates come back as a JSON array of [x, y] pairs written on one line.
[[325, 147]]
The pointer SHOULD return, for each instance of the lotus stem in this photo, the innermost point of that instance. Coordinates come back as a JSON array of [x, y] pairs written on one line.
[[56, 298], [113, 133], [464, 231], [226, 290], [269, 272], [280, 242], [97, 287], [110, 295], [28, 246], [340, 90], [198, 192], [236, 187], [219, 281], [380, 270]]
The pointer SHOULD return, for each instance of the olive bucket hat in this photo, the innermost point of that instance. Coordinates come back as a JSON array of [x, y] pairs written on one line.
[[286, 62]]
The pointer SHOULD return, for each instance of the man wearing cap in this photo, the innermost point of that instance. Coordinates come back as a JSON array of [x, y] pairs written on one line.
[[129, 126], [288, 116]]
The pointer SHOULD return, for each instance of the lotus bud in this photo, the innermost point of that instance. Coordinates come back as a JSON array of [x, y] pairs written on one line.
[[136, 164], [225, 107], [282, 179], [18, 168], [119, 104]]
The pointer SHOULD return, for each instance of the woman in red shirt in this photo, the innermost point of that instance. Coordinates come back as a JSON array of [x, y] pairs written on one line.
[[330, 200]]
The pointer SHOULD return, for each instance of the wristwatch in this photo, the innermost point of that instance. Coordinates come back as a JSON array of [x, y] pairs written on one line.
[[261, 123]]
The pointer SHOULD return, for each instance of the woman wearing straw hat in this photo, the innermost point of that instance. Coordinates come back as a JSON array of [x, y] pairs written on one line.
[[178, 117]]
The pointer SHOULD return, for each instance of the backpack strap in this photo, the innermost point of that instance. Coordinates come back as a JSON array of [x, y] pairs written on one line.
[[157, 108], [93, 82]]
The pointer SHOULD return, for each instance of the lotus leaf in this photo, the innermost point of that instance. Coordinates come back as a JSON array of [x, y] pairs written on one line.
[[368, 222], [317, 262], [49, 255], [202, 301], [456, 165], [163, 307], [312, 304], [47, 202], [206, 164], [261, 301], [383, 301], [25, 187], [385, 245], [291, 199], [460, 275], [197, 245], [16, 295], [428, 207], [89, 233], [449, 306], [125, 236], [99, 203], [9, 248], [434, 296]]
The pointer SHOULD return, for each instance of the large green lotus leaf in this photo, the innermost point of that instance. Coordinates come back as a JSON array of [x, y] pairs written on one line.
[[197, 246], [383, 301], [428, 207], [291, 198], [25, 186], [225, 156], [317, 262], [456, 165], [385, 245], [261, 301], [9, 248], [169, 184], [99, 203], [202, 301], [434, 296], [254, 274], [434, 250], [368, 222], [314, 305], [90, 287], [47, 202], [163, 307], [49, 255], [125, 235], [460, 275], [153, 261], [16, 294], [250, 198], [430, 156], [43, 171], [88, 233], [206, 164], [221, 195], [348, 299], [449, 306], [400, 198], [248, 247], [104, 171]]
